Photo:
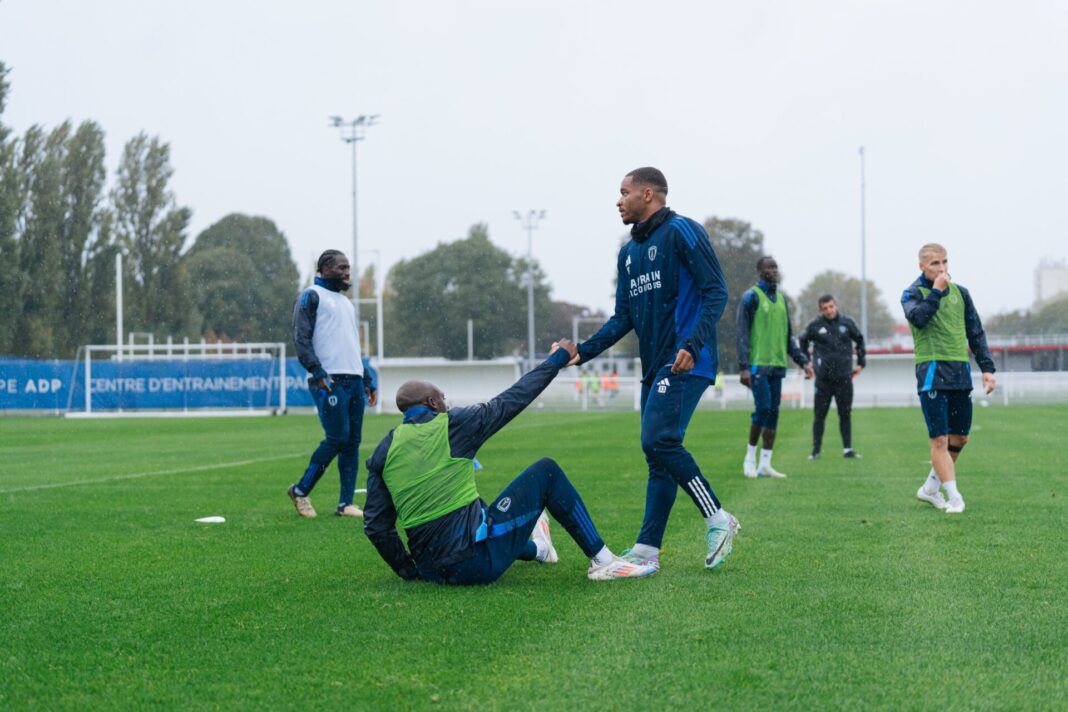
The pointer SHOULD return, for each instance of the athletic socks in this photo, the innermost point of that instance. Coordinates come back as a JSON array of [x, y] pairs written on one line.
[[720, 517], [765, 458], [931, 485], [602, 557], [750, 453], [951, 489]]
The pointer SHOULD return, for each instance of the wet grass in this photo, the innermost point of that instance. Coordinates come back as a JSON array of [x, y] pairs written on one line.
[[843, 591]]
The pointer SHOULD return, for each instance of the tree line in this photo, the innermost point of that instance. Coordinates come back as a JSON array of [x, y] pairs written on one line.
[[60, 232], [61, 229]]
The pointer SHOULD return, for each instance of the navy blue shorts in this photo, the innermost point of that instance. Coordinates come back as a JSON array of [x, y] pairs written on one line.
[[767, 394], [947, 412]]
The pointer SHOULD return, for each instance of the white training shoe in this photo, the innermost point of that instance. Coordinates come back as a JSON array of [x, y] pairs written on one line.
[[955, 505], [936, 500], [749, 469], [618, 568], [542, 537], [349, 510], [769, 471]]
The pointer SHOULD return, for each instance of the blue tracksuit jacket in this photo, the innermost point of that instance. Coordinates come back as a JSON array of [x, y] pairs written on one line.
[[671, 291], [946, 375]]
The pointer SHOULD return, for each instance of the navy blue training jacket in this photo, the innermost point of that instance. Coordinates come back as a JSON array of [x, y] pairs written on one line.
[[670, 290], [746, 310], [946, 375]]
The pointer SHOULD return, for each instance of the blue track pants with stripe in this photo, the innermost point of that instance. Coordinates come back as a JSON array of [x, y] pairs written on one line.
[[509, 520]]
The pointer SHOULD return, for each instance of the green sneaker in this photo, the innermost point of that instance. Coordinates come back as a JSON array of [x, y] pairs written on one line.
[[720, 540], [629, 556]]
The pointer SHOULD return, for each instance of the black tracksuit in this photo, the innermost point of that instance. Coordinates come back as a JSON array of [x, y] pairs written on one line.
[[833, 340]]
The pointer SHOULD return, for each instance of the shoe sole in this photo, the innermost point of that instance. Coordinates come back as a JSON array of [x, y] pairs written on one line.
[[936, 505], [724, 549]]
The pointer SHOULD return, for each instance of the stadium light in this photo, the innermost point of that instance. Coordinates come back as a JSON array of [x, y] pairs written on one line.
[[529, 222], [351, 132]]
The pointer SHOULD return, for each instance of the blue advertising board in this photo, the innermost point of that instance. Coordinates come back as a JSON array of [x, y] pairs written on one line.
[[29, 384]]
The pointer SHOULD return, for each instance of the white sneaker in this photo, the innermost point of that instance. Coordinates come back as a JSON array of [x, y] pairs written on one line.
[[769, 471], [955, 505], [749, 468], [618, 568], [936, 500], [542, 537]]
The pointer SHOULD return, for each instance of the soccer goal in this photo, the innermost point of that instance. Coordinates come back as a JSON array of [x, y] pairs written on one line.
[[178, 379]]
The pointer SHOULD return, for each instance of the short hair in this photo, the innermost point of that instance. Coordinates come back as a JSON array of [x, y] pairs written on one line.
[[932, 248], [650, 176], [762, 260], [326, 259], [826, 298]]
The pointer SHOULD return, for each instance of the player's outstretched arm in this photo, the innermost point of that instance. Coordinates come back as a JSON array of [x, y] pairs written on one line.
[[470, 427]]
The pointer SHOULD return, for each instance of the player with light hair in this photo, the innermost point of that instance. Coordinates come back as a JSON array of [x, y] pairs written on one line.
[[944, 327]]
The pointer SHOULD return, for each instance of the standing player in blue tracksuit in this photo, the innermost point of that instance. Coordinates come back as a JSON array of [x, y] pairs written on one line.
[[671, 292], [328, 345]]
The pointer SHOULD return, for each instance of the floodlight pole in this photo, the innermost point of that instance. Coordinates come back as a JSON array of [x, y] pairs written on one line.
[[863, 256], [351, 132], [118, 306], [529, 222]]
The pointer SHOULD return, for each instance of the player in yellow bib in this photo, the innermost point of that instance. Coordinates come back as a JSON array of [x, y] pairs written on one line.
[[422, 477], [944, 327]]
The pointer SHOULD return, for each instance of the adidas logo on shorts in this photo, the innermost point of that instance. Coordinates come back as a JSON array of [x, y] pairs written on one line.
[[662, 385]]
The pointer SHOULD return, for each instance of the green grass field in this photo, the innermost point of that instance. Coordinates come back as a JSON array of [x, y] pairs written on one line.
[[843, 591]]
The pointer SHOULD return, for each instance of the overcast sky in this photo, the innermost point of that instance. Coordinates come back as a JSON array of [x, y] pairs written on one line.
[[754, 110]]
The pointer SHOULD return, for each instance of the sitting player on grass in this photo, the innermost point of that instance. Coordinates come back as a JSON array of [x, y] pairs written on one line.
[[944, 326], [422, 475]]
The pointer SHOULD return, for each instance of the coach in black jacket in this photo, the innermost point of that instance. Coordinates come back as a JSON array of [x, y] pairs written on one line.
[[833, 336]]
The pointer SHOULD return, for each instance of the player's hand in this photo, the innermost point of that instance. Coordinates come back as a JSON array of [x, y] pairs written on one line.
[[989, 383], [372, 396], [325, 383], [566, 345], [809, 373], [857, 370], [746, 379], [683, 362], [941, 281]]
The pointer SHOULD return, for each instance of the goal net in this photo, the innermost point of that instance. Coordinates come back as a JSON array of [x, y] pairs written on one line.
[[183, 379]]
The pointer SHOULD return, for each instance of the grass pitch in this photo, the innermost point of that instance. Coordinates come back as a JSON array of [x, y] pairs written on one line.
[[843, 591]]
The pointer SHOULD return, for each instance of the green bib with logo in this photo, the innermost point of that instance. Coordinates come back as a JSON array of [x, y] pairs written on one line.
[[768, 332], [424, 479], [944, 338]]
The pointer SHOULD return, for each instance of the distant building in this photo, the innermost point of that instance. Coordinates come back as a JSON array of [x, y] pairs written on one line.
[[1051, 280]]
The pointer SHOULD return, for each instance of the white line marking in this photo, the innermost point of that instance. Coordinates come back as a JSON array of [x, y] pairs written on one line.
[[157, 473]]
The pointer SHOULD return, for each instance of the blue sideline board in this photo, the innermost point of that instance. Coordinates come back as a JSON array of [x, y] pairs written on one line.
[[29, 384]]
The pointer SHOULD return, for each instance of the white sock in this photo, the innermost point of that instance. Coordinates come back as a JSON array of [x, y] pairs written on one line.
[[645, 551], [543, 551], [932, 483], [602, 557], [720, 517], [750, 453], [847, 450], [765, 458], [951, 489]]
